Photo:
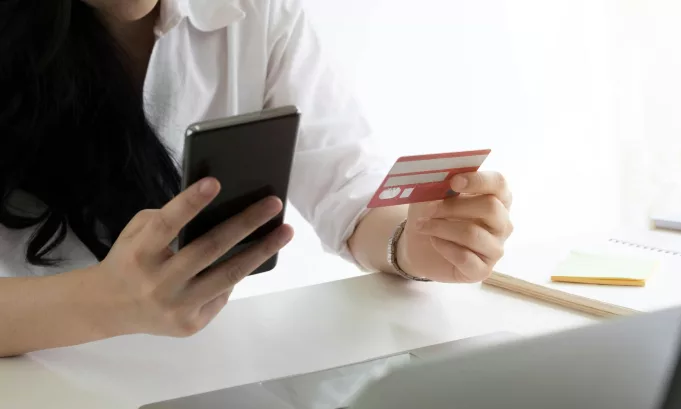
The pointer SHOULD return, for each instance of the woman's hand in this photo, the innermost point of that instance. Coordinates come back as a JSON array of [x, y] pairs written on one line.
[[461, 238], [153, 290]]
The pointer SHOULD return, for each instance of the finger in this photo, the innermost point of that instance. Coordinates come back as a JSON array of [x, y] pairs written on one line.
[[167, 222], [485, 209], [205, 250], [213, 308], [465, 234], [484, 183], [137, 224], [467, 267], [222, 278]]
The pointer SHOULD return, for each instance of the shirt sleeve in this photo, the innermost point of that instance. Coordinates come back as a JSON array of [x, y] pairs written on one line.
[[337, 167]]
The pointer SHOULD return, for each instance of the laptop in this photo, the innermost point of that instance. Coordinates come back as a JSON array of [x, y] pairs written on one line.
[[333, 388], [625, 363]]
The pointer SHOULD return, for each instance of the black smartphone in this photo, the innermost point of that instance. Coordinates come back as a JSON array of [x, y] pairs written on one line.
[[251, 155]]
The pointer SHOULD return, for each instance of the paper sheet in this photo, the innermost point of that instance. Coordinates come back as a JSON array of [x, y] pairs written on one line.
[[590, 265]]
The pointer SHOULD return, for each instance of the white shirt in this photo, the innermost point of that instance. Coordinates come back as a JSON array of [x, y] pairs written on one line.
[[217, 58]]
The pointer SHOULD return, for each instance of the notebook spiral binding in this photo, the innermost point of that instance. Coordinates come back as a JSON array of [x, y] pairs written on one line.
[[644, 247]]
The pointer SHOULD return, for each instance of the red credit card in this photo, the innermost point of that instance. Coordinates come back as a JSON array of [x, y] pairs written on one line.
[[425, 178]]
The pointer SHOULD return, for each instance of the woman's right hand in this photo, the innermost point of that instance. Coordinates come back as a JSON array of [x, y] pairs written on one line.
[[151, 289]]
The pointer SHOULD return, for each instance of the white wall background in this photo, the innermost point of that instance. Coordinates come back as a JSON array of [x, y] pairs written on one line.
[[578, 99]]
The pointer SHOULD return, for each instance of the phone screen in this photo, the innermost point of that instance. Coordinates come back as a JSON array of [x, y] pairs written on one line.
[[252, 160]]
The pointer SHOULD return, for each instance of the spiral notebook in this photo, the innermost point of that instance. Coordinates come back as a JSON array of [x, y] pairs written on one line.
[[529, 269]]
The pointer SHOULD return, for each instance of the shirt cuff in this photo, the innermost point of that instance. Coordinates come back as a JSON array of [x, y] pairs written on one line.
[[348, 210]]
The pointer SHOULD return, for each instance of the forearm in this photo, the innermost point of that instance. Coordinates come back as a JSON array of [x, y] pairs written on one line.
[[369, 243], [47, 312]]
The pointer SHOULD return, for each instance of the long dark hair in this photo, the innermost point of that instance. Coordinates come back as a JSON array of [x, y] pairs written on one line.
[[73, 133]]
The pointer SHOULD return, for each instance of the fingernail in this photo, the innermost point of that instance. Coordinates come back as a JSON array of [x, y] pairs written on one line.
[[207, 187], [420, 223], [271, 205], [459, 182], [285, 235], [285, 239]]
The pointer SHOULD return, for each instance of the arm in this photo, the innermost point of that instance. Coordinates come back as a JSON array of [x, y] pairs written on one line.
[[48, 312], [141, 286], [369, 242], [337, 168]]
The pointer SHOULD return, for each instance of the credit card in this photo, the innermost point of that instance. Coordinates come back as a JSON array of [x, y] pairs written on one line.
[[425, 178]]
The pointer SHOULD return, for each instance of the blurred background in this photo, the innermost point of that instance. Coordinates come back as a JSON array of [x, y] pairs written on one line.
[[579, 100]]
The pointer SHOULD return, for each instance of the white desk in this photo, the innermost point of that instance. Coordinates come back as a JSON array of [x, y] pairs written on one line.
[[273, 335]]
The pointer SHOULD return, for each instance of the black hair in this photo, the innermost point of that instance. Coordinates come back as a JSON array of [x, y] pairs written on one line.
[[73, 132]]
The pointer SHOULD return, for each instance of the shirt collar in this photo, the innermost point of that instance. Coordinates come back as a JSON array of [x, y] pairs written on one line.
[[205, 15]]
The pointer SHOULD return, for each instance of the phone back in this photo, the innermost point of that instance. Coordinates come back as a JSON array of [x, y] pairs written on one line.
[[251, 155]]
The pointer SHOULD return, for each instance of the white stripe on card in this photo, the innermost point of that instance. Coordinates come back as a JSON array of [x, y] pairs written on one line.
[[415, 179], [429, 165], [407, 192]]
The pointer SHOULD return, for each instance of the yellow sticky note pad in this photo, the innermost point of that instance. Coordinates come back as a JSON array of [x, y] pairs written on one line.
[[606, 269]]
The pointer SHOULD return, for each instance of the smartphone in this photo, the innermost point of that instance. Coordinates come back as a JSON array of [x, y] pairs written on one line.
[[251, 155]]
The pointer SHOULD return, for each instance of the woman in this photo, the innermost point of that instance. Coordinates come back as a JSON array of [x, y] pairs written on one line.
[[96, 95]]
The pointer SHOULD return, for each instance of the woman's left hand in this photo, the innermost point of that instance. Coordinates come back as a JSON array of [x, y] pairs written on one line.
[[461, 238]]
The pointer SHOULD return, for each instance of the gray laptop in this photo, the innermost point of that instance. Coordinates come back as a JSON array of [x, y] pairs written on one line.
[[330, 389], [627, 363]]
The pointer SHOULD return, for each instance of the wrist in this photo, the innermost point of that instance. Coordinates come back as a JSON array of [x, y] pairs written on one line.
[[402, 256], [105, 311], [398, 255]]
